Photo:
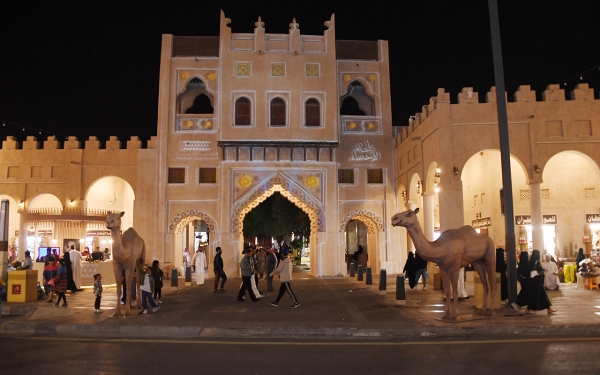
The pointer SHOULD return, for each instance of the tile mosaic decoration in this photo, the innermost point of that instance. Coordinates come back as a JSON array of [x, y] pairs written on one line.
[[278, 70], [243, 69], [312, 70]]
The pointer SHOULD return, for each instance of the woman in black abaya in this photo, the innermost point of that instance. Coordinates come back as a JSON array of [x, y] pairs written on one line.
[[410, 267], [538, 299], [524, 279]]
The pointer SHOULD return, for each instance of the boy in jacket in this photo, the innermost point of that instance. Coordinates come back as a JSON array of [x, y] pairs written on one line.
[[284, 269]]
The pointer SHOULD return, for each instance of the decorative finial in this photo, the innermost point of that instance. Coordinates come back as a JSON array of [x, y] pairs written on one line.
[[294, 25], [259, 24]]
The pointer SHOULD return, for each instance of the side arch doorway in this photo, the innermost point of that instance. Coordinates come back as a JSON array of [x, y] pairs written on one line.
[[365, 229]]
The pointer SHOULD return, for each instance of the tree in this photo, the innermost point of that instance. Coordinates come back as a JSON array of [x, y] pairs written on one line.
[[276, 217]]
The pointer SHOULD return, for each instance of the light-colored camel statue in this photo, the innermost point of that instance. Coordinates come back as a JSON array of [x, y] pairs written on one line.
[[455, 248], [129, 250]]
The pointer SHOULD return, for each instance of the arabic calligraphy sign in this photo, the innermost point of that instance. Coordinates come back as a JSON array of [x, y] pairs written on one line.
[[526, 219], [592, 218], [482, 223], [365, 151]]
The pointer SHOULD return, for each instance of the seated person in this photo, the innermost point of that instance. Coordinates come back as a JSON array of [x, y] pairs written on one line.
[[97, 255]]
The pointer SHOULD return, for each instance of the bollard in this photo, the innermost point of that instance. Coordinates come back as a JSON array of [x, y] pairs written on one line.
[[400, 293], [360, 273], [369, 276], [382, 281], [174, 278], [351, 269], [188, 275]]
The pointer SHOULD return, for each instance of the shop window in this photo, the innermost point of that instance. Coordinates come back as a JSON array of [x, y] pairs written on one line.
[[375, 176], [278, 112], [243, 111], [312, 109], [208, 175], [177, 175], [345, 176]]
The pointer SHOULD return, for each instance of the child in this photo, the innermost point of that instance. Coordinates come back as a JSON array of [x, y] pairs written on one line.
[[157, 274], [50, 272], [147, 289], [61, 283], [97, 292]]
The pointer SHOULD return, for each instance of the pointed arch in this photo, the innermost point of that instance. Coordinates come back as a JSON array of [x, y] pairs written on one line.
[[288, 189], [373, 221], [180, 221]]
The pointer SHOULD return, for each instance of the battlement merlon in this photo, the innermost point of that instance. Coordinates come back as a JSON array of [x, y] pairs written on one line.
[[523, 94], [72, 143]]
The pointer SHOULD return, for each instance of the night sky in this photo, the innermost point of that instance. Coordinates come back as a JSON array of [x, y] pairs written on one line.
[[82, 68]]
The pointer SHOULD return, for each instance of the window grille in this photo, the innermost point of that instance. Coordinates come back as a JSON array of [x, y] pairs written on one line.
[[590, 193], [346, 176], [524, 195], [208, 175], [545, 194], [375, 176], [177, 175]]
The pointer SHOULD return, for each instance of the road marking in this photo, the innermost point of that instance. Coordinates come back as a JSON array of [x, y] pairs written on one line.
[[317, 343]]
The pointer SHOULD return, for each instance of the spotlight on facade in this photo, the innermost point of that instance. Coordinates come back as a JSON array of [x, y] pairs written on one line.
[[71, 203], [455, 170], [536, 168], [21, 204]]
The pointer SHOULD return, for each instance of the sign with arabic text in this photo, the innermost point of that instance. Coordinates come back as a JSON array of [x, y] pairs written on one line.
[[365, 152], [592, 218], [526, 220], [482, 223]]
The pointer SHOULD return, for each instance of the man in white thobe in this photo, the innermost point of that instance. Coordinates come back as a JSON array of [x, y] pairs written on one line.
[[550, 273], [199, 261], [76, 259]]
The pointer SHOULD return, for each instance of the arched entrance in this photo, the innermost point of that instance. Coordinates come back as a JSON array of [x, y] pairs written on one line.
[[301, 199], [191, 229], [364, 228]]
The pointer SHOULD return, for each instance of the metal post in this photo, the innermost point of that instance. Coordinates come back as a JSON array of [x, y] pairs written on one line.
[[369, 276], [360, 273], [382, 281], [4, 240], [400, 292], [509, 218], [174, 278], [351, 269]]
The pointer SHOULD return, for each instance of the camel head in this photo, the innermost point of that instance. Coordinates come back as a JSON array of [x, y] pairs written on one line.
[[114, 220], [405, 219]]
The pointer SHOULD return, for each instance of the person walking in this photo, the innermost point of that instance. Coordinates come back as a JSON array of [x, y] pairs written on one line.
[[157, 275], [50, 272], [254, 279], [219, 271], [537, 298], [147, 289], [97, 292], [61, 283], [76, 259], [271, 263], [410, 268], [68, 265], [199, 261], [523, 276], [247, 273], [421, 271], [284, 269], [501, 269]]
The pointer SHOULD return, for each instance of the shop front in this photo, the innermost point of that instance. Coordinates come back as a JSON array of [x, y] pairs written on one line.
[[524, 229]]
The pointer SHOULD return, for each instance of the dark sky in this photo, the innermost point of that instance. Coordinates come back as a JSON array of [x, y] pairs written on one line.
[[83, 68]]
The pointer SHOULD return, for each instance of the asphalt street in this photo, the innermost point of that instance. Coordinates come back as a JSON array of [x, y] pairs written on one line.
[[46, 355]]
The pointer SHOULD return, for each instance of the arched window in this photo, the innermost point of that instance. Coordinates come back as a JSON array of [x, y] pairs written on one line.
[[195, 99], [312, 109], [201, 105], [356, 101], [243, 112], [278, 112]]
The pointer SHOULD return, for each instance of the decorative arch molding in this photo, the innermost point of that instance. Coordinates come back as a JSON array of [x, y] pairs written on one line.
[[186, 217], [373, 221], [297, 196]]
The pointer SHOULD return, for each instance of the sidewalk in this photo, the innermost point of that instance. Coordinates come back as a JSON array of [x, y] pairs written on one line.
[[331, 308]]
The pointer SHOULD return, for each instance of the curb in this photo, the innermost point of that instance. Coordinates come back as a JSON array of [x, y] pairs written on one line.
[[10, 329]]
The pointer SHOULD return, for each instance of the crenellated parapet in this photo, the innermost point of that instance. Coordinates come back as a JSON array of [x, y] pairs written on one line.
[[72, 143], [468, 97]]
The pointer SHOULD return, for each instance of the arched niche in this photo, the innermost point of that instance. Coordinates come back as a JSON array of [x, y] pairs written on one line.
[[356, 101], [195, 99]]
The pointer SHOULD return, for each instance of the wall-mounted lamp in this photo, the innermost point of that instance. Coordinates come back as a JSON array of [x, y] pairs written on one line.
[[478, 215], [536, 168], [419, 187], [438, 171], [71, 202], [455, 170], [21, 204]]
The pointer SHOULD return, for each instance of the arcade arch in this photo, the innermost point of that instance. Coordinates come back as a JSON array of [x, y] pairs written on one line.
[[191, 229], [363, 228]]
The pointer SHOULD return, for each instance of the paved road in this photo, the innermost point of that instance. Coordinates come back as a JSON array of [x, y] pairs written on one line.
[[535, 356]]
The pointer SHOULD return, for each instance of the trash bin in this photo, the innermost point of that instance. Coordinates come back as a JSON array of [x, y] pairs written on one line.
[[22, 286], [478, 295]]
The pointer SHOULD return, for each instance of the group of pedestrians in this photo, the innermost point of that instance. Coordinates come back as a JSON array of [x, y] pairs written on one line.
[[255, 263], [415, 268], [530, 275]]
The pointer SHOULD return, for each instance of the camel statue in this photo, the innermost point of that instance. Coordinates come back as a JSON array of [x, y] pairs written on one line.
[[454, 249], [129, 249]]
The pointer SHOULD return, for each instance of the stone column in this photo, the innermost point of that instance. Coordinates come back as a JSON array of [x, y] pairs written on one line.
[[535, 201], [452, 213], [428, 216]]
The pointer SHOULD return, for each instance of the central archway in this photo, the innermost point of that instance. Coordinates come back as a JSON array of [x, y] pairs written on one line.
[[295, 194]]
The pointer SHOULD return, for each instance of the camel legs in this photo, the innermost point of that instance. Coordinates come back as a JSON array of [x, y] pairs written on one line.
[[119, 281], [450, 279], [484, 270], [129, 278]]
